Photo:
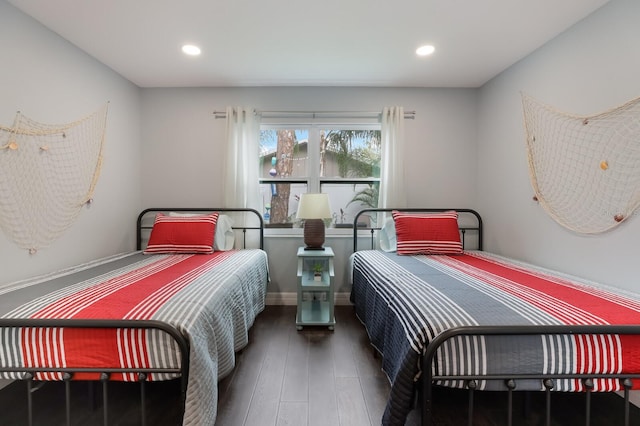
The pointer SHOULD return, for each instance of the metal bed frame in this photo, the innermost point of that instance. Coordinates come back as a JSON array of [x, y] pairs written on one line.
[[142, 373], [359, 230], [141, 227], [428, 379]]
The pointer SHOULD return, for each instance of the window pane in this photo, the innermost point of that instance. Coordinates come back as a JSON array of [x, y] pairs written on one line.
[[283, 153], [347, 200], [280, 202], [350, 153]]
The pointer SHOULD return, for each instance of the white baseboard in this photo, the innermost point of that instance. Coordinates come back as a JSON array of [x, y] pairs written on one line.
[[281, 299], [292, 299], [343, 299]]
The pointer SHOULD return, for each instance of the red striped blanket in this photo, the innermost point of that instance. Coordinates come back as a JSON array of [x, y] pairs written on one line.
[[212, 299], [405, 301]]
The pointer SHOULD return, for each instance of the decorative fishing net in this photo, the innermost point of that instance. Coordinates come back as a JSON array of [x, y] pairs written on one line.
[[47, 174], [585, 170]]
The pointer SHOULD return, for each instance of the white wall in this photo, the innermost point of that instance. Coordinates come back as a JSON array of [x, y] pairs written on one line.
[[182, 142], [51, 81], [590, 68]]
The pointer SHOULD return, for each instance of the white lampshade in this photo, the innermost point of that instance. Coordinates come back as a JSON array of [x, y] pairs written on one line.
[[312, 209], [314, 206]]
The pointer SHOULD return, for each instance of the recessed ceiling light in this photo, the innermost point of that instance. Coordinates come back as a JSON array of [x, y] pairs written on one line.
[[190, 49], [425, 50]]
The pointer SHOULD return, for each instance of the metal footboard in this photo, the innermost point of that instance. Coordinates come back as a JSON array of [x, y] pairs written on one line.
[[511, 380], [105, 373]]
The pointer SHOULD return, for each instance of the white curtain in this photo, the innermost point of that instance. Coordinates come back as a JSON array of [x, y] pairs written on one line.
[[241, 188], [392, 187]]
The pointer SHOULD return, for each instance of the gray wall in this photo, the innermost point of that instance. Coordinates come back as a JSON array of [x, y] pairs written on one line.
[[183, 146], [590, 68], [50, 80]]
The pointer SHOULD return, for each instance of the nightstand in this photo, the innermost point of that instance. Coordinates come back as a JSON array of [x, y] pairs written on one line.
[[315, 288]]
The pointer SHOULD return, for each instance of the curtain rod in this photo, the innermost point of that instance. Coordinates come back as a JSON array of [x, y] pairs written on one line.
[[409, 115]]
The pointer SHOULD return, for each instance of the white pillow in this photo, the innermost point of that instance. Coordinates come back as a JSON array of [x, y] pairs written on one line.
[[224, 238], [387, 236]]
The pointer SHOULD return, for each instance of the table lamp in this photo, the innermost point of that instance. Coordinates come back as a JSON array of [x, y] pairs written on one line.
[[313, 208]]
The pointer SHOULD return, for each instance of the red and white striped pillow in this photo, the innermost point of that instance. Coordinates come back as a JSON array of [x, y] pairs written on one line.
[[433, 233], [193, 234]]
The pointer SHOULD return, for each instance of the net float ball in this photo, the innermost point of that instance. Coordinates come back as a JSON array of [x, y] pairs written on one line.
[[604, 165]]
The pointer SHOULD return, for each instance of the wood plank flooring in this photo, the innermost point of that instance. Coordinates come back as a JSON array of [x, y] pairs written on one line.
[[313, 377]]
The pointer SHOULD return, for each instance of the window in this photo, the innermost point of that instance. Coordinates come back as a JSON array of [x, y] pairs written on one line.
[[340, 160]]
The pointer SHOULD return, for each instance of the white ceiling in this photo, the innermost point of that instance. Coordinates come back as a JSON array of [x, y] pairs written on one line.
[[308, 43]]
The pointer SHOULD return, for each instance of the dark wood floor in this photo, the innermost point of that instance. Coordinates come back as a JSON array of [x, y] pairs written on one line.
[[289, 377], [309, 377]]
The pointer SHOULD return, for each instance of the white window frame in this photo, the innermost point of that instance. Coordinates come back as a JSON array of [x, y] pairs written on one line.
[[313, 179]]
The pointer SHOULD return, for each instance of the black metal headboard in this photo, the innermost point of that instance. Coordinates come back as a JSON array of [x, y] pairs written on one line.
[[464, 228], [249, 223]]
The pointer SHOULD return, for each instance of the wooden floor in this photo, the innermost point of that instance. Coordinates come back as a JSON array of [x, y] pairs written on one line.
[[313, 377]]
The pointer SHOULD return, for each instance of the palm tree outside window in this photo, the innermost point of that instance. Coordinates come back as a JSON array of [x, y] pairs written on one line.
[[340, 160]]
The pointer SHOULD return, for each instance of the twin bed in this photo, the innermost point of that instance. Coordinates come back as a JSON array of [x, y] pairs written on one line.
[[440, 314], [179, 307]]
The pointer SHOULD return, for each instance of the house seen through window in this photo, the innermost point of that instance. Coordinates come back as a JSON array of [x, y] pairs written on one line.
[[342, 161]]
